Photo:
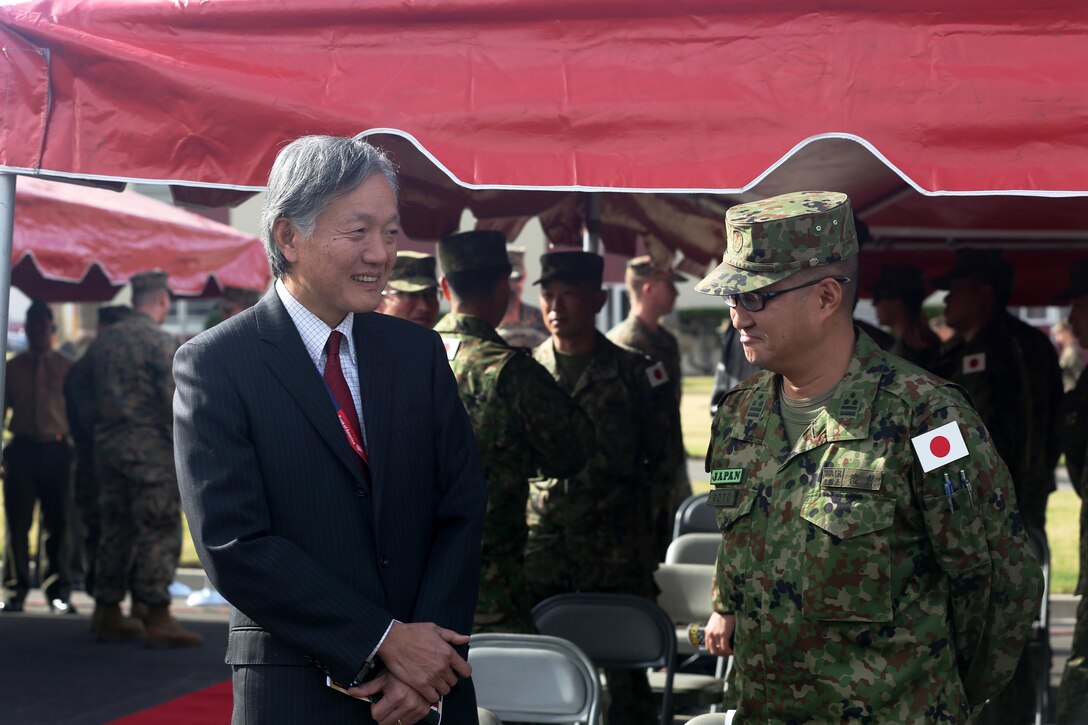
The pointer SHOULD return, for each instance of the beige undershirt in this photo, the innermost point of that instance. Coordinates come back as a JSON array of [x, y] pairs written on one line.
[[800, 413]]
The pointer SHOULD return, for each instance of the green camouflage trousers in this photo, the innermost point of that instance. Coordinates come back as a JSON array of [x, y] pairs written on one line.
[[140, 512]]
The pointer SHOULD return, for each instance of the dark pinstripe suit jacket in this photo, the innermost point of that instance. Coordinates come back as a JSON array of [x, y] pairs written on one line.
[[315, 558]]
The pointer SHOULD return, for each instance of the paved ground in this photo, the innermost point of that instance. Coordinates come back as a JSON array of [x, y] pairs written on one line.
[[52, 670]]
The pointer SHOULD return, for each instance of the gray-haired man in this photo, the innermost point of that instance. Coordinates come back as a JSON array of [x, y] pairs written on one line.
[[328, 469]]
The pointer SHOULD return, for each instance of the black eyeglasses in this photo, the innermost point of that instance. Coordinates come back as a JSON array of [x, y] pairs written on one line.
[[755, 301]]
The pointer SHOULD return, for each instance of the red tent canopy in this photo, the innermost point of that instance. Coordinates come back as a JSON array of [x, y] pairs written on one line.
[[921, 110], [73, 243]]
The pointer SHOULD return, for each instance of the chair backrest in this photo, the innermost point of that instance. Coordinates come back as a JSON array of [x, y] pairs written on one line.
[[615, 631], [685, 591], [486, 717], [534, 678], [696, 548], [694, 516]]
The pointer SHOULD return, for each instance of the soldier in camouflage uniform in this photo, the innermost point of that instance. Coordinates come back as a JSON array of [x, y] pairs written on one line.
[[987, 358], [593, 531], [860, 577], [139, 502], [1073, 691], [651, 288], [80, 398], [897, 298], [412, 290], [522, 325], [525, 425]]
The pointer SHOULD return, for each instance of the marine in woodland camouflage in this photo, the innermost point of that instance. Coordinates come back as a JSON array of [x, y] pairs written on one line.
[[769, 240], [589, 530], [134, 386], [858, 594], [525, 426]]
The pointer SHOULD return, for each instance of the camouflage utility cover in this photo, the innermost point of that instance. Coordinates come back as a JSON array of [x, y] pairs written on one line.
[[769, 240], [860, 592], [525, 426], [473, 251], [413, 272]]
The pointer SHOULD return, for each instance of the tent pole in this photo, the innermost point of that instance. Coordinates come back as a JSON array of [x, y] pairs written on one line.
[[7, 232], [591, 234]]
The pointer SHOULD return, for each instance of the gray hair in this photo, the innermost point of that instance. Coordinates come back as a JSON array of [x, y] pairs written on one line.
[[309, 174]]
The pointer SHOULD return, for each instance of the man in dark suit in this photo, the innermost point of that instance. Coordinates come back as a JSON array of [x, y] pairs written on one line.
[[330, 480]]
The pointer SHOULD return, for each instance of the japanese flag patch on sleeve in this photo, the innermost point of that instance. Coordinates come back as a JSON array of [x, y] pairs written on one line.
[[451, 344], [657, 375], [940, 446], [974, 363]]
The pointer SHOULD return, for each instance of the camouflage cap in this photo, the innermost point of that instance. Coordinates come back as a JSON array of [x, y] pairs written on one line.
[[516, 255], [1078, 282], [639, 268], [571, 267], [413, 272], [147, 281], [982, 265], [474, 251], [771, 239], [898, 281]]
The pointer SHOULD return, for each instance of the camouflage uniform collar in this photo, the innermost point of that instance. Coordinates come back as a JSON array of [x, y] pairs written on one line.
[[468, 325], [847, 416], [641, 327], [604, 364]]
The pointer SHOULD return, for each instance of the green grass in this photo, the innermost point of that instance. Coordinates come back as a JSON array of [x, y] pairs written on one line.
[[1062, 527], [695, 414]]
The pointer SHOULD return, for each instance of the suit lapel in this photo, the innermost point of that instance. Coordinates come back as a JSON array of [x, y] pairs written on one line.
[[375, 390], [288, 360]]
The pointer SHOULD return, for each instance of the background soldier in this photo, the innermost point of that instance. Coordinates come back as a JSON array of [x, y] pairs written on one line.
[[412, 290], [591, 531], [38, 463], [985, 360], [522, 325], [80, 397], [525, 425], [139, 502], [860, 577], [897, 297], [1073, 692], [651, 289]]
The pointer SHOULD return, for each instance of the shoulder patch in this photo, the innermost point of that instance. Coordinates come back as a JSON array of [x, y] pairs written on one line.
[[940, 446], [657, 375], [974, 363], [452, 345]]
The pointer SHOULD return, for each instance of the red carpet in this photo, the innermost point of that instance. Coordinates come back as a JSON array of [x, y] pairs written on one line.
[[210, 706]]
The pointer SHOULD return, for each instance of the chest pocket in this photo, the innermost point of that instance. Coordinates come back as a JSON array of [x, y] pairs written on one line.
[[847, 559], [734, 555]]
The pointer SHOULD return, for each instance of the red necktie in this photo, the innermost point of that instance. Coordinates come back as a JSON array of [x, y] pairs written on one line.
[[334, 378]]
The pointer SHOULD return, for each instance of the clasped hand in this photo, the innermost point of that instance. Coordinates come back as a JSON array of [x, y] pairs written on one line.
[[421, 665]]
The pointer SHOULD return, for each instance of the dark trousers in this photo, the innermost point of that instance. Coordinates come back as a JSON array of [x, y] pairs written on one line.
[[86, 485], [37, 471]]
